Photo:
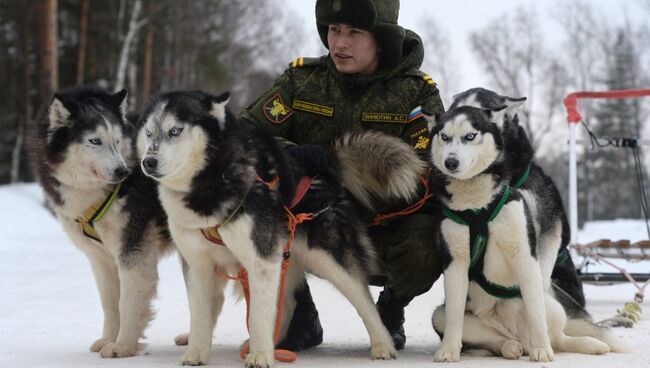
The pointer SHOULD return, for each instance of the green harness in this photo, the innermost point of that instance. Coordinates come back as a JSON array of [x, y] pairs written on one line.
[[478, 220]]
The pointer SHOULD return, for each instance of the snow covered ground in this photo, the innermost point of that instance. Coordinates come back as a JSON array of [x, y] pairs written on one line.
[[50, 312]]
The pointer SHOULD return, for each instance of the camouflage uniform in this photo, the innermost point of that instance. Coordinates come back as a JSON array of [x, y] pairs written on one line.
[[313, 103]]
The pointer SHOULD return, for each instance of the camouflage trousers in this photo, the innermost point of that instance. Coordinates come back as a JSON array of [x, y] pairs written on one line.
[[410, 259]]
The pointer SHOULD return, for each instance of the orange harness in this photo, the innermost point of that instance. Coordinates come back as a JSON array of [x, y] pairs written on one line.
[[410, 209], [212, 234]]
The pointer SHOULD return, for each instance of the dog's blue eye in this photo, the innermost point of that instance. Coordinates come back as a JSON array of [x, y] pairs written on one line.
[[470, 136], [444, 137], [95, 141], [175, 132], [147, 132]]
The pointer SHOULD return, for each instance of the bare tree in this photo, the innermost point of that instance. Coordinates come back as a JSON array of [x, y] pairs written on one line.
[[134, 26], [23, 121], [512, 52], [47, 47], [145, 89], [83, 35], [440, 61]]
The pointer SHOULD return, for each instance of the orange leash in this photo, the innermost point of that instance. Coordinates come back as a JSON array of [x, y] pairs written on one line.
[[281, 355], [410, 209]]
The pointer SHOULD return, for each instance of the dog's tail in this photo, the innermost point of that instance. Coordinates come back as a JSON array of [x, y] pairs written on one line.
[[378, 167], [585, 327]]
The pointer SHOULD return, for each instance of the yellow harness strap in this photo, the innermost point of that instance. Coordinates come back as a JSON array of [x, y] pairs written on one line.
[[95, 213]]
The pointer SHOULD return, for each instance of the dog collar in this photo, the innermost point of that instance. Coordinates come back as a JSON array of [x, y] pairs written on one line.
[[477, 220], [95, 212], [212, 233]]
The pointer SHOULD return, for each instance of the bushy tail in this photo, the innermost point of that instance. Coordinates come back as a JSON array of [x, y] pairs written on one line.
[[585, 327], [378, 167]]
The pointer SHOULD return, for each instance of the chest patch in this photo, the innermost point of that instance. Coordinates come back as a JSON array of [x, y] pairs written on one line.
[[313, 108], [383, 117], [275, 110]]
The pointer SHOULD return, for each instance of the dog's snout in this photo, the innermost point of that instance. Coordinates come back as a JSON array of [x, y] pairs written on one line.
[[150, 163], [452, 163], [121, 172]]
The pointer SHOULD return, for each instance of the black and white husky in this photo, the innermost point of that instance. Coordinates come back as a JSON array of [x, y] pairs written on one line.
[[495, 297], [80, 153], [542, 197], [213, 171]]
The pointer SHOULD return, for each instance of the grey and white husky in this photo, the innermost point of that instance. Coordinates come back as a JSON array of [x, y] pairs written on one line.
[[495, 297], [215, 171], [80, 152]]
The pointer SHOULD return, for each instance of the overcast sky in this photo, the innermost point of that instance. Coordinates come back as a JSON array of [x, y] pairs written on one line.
[[459, 18]]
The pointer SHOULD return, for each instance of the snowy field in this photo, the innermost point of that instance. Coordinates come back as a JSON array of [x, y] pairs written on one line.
[[50, 312]]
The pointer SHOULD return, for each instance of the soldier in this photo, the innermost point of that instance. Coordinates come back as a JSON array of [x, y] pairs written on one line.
[[369, 80]]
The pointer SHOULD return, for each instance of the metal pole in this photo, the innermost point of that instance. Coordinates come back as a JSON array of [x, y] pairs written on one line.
[[573, 184]]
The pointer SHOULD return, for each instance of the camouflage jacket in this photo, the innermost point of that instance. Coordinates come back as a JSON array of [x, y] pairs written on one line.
[[313, 103]]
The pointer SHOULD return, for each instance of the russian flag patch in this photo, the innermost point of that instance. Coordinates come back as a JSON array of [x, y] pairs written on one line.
[[414, 114]]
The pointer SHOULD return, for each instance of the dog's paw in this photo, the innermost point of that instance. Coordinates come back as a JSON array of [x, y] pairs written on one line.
[[113, 350], [512, 349], [195, 357], [541, 354], [384, 351], [259, 359], [447, 354], [97, 346], [182, 339]]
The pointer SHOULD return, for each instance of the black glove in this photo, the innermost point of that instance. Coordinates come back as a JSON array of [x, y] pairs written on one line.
[[312, 157]]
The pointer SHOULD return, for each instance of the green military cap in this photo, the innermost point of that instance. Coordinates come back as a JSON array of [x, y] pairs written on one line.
[[377, 16]]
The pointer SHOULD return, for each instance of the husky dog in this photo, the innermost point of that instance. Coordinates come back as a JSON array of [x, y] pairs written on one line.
[[494, 283], [214, 171], [542, 196], [81, 154]]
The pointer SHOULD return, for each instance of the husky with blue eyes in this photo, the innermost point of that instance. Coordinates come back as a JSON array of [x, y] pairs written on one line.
[[81, 154], [229, 191], [495, 297]]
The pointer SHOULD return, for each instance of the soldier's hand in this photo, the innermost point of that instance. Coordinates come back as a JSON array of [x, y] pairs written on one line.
[[312, 157]]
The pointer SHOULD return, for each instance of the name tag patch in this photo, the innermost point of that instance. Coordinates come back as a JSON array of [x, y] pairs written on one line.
[[383, 117], [312, 107]]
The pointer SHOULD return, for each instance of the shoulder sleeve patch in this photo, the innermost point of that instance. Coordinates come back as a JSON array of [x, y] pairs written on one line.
[[275, 110], [416, 113]]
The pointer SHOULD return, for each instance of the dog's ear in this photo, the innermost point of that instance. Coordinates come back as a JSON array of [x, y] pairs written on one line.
[[58, 113], [513, 104], [120, 101], [218, 109], [432, 121], [496, 115]]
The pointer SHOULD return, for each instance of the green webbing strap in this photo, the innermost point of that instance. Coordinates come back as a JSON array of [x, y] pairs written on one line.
[[563, 256], [523, 178], [477, 220]]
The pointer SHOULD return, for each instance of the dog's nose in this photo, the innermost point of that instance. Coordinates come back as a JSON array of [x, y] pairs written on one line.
[[150, 163], [451, 164], [121, 173]]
